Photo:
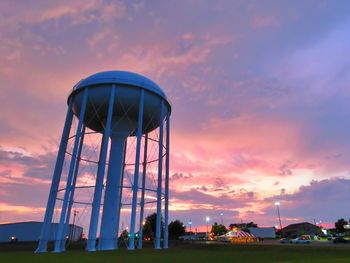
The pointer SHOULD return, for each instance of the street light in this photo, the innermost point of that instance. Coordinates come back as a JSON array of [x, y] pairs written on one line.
[[222, 218], [277, 204], [207, 219], [190, 224]]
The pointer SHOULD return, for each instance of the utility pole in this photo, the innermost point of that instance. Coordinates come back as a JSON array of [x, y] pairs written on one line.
[[277, 204]]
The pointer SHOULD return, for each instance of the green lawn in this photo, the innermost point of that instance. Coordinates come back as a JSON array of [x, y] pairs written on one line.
[[193, 254]]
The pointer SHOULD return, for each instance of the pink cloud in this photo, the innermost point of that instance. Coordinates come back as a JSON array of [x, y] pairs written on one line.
[[249, 123], [264, 22]]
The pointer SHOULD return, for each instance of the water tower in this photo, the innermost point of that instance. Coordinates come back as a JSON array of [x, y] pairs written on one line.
[[118, 106]]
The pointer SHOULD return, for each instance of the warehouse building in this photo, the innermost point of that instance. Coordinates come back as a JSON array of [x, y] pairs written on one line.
[[263, 232], [30, 232], [299, 229]]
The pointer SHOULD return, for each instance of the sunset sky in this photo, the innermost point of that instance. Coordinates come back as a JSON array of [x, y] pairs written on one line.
[[260, 94]]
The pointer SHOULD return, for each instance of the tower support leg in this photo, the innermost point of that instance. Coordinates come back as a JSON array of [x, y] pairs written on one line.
[[46, 228], [60, 239], [95, 211], [160, 175], [142, 202], [136, 173], [166, 198], [72, 191]]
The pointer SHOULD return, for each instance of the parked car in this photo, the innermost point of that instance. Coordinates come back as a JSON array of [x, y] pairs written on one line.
[[299, 240], [340, 240], [223, 238], [285, 241]]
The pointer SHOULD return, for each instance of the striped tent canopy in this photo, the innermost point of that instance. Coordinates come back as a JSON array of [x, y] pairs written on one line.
[[239, 233], [238, 236]]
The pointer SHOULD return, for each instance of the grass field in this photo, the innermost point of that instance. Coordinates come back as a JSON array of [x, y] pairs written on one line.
[[193, 254]]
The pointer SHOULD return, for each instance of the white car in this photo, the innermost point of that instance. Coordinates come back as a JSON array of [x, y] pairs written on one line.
[[299, 240]]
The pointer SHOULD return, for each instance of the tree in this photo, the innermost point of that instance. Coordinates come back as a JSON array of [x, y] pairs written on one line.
[[218, 230], [123, 238], [243, 226], [124, 235], [339, 225], [176, 228], [149, 228]]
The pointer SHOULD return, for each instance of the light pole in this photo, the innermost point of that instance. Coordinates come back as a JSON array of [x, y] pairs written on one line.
[[75, 212], [190, 224], [207, 219], [222, 218], [277, 204]]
